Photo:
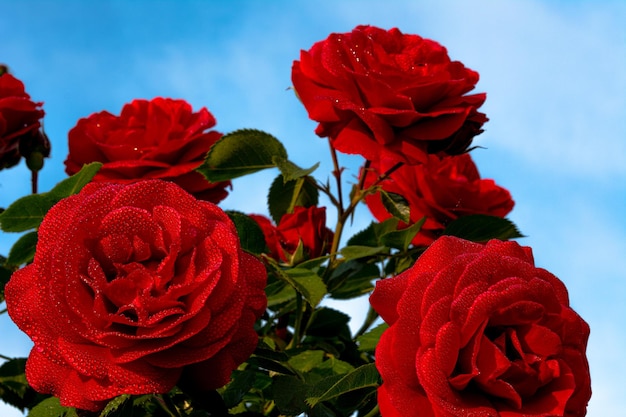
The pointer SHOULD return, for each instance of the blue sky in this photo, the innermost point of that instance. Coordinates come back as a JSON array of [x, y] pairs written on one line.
[[554, 73]]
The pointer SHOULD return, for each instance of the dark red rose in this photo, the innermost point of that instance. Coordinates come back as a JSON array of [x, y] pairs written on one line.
[[306, 226], [157, 139], [133, 285], [442, 190], [386, 95], [19, 118], [478, 330]]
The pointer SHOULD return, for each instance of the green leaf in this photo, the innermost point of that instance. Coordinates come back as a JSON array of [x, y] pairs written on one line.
[[114, 404], [307, 360], [368, 341], [401, 239], [333, 366], [291, 171], [76, 182], [27, 212], [250, 233], [5, 275], [285, 195], [372, 234], [50, 407], [289, 394], [355, 252], [279, 292], [240, 385], [396, 205], [481, 228], [326, 321], [241, 153], [352, 279], [307, 283], [362, 377], [14, 389], [265, 358], [23, 251]]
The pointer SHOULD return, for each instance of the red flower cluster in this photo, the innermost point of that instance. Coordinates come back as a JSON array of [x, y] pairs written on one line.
[[306, 226], [151, 288], [157, 139], [148, 285], [443, 189], [19, 119], [479, 330], [386, 95]]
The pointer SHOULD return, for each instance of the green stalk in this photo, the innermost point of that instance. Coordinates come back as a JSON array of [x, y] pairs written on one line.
[[298, 325]]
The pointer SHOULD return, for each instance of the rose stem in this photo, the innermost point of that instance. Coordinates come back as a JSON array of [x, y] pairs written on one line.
[[34, 178]]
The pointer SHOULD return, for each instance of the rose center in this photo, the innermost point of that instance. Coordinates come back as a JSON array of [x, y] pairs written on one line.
[[511, 363]]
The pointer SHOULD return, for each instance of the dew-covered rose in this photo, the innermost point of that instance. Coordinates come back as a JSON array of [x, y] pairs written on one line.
[[386, 95], [478, 330], [19, 118], [442, 190], [133, 287], [306, 226], [151, 139]]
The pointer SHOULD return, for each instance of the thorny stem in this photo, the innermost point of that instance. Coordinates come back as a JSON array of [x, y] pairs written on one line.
[[337, 174], [344, 214]]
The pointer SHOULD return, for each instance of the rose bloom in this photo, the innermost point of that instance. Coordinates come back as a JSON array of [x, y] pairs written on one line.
[[442, 190], [386, 95], [305, 224], [156, 139], [478, 330], [19, 118], [133, 287]]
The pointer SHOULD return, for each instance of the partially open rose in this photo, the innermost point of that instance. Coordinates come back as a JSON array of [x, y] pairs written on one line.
[[19, 118], [306, 226], [146, 284], [442, 190], [151, 139], [478, 330], [386, 95]]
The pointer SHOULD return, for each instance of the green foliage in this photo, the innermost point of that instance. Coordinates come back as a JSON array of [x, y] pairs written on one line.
[[365, 376], [250, 233], [285, 195], [290, 171], [481, 228], [368, 341], [14, 388], [306, 282], [50, 407], [401, 239], [23, 251], [5, 274], [307, 361], [396, 205], [27, 212], [241, 153]]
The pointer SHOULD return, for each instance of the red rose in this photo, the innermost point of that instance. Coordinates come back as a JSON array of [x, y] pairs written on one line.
[[386, 95], [131, 286], [157, 139], [19, 118], [478, 330], [306, 225], [443, 190]]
